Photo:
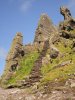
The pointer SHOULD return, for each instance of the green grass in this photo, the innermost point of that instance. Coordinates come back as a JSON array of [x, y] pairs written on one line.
[[26, 65], [59, 73], [64, 49], [48, 71], [45, 69]]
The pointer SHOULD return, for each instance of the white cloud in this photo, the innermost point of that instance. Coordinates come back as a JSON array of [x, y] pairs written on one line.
[[23, 5], [3, 53], [26, 5]]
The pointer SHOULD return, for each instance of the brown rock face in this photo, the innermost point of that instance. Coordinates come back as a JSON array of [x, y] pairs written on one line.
[[47, 38], [45, 30], [66, 13], [15, 53], [69, 23], [30, 48]]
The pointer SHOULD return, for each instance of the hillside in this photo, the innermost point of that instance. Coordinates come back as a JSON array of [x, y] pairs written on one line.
[[48, 64]]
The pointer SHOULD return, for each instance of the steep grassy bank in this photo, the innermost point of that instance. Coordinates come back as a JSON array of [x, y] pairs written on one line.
[[26, 65], [61, 68]]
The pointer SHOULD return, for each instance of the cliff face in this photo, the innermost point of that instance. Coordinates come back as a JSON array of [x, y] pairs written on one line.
[[48, 61], [69, 22], [16, 52], [45, 30]]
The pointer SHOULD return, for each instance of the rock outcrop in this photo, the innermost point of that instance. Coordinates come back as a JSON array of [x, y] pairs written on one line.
[[16, 52], [66, 13], [45, 31], [54, 47], [30, 48], [69, 22]]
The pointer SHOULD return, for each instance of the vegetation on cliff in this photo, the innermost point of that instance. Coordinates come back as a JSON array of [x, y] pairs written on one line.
[[26, 64], [50, 59]]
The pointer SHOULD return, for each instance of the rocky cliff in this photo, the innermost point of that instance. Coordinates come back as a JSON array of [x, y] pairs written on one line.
[[47, 63], [16, 52]]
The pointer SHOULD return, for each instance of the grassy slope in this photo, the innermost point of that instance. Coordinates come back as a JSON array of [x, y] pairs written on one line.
[[26, 65], [62, 73]]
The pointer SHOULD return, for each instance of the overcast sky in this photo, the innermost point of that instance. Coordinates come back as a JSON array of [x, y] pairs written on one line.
[[22, 16]]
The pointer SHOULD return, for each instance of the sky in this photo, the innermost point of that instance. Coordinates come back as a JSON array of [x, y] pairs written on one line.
[[23, 16]]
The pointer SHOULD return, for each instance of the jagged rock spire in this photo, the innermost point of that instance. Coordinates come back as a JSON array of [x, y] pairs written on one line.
[[66, 13], [16, 46], [69, 22], [44, 20], [15, 53], [45, 29]]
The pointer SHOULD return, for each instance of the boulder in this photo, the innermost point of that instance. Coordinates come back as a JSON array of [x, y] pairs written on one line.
[[54, 54]]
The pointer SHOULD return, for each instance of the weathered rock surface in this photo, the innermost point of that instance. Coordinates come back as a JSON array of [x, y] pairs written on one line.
[[70, 83], [54, 52], [45, 30], [30, 48], [22, 94], [49, 41], [66, 13], [15, 53], [68, 23]]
